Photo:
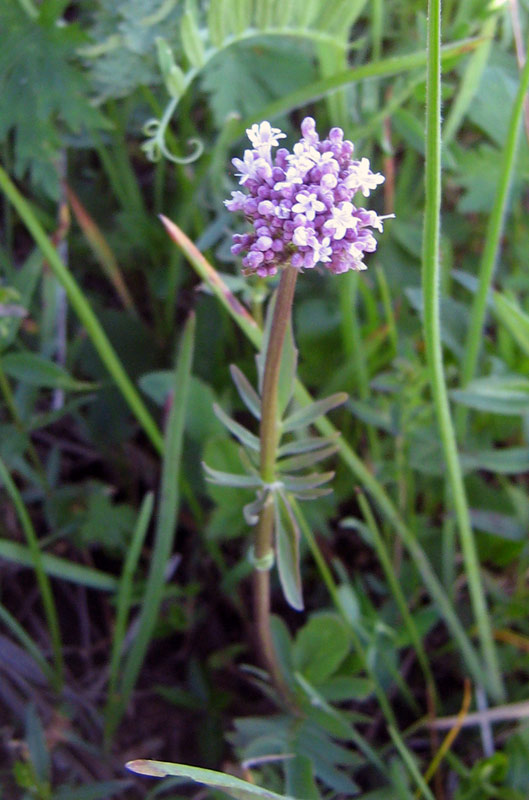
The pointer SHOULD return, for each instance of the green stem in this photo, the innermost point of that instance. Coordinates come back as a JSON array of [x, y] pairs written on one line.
[[269, 436], [432, 336], [269, 430], [492, 243], [83, 311]]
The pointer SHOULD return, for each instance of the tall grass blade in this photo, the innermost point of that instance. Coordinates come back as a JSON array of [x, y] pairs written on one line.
[[123, 603], [83, 311], [492, 241], [434, 354], [50, 609], [166, 522]]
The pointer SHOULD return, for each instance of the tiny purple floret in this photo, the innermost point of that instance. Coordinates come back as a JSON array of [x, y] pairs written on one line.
[[300, 203]]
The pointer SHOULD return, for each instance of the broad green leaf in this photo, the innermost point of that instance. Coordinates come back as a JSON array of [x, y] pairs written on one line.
[[246, 391], [308, 414], [498, 394], [234, 787], [39, 371], [287, 552], [320, 647]]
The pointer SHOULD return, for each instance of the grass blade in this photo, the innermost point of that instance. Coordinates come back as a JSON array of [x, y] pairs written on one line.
[[83, 311], [50, 609], [123, 603], [492, 242], [166, 522], [434, 354]]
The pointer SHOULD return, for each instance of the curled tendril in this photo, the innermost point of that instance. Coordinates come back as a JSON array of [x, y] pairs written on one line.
[[155, 146]]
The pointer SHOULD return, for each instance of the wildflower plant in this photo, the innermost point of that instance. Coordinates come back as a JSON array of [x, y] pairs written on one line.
[[300, 208]]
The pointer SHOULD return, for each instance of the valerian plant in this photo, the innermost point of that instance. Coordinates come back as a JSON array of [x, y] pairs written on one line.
[[299, 206]]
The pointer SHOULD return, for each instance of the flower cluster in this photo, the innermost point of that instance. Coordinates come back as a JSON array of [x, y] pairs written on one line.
[[300, 204]]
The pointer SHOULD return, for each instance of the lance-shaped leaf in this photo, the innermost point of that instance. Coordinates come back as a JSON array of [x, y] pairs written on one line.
[[246, 391], [239, 431], [307, 415], [306, 445], [260, 358], [231, 479], [287, 551], [311, 494], [315, 479], [234, 787], [192, 40], [307, 459], [252, 510], [287, 371]]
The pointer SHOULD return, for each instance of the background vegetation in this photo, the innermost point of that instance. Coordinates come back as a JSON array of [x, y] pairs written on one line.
[[126, 628]]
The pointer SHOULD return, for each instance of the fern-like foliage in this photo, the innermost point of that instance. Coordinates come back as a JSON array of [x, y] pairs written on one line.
[[45, 95], [236, 83], [122, 55]]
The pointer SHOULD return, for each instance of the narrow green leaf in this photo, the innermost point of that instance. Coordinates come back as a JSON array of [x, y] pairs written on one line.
[[231, 479], [307, 445], [123, 603], [498, 394], [37, 562], [234, 787], [306, 12], [239, 431], [242, 15], [295, 484], [287, 551], [167, 517], [306, 459], [39, 371], [59, 567], [82, 309], [505, 461], [192, 40], [515, 320], [311, 494], [308, 414], [216, 23], [246, 391], [26, 641], [287, 371], [36, 742]]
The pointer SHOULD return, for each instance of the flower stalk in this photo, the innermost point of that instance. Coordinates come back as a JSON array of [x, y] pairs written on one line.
[[269, 435]]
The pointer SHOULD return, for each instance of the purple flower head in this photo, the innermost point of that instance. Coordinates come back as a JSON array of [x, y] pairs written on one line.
[[300, 203]]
